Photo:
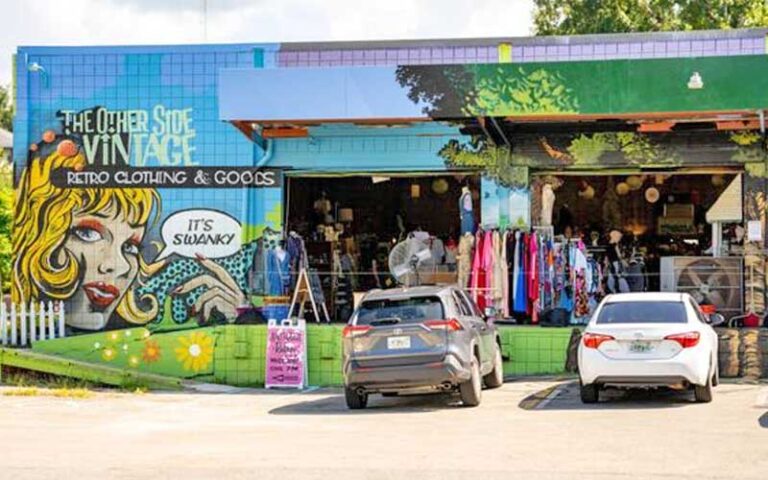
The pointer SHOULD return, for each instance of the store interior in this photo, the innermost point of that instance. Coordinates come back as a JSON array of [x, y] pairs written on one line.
[[661, 214], [351, 223], [592, 235], [654, 231]]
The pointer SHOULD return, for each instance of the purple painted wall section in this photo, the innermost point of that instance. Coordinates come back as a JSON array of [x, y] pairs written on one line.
[[649, 49], [388, 56], [529, 49]]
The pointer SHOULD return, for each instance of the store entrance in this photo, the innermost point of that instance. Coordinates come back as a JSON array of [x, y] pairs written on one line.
[[654, 231], [350, 224]]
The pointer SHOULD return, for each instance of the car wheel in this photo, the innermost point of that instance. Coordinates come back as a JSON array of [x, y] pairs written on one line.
[[703, 393], [355, 401], [471, 390], [495, 379], [589, 393]]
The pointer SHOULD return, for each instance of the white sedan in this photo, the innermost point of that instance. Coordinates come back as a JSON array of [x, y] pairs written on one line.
[[649, 340]]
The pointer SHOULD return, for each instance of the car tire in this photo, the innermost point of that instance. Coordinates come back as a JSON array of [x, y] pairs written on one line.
[[589, 393], [355, 401], [471, 391], [703, 393], [495, 379]]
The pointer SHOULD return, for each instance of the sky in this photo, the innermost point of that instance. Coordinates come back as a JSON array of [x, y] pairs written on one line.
[[121, 22]]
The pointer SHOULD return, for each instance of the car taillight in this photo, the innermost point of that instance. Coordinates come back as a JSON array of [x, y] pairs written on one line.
[[355, 330], [452, 325], [686, 340], [594, 340]]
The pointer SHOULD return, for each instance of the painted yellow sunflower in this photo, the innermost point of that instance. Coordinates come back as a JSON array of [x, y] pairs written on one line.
[[195, 351]]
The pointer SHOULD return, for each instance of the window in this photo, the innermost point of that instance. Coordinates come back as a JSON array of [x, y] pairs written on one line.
[[698, 312], [472, 305], [642, 312], [462, 304], [401, 310]]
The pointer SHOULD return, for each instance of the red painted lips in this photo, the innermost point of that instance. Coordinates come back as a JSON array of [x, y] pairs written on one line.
[[101, 294]]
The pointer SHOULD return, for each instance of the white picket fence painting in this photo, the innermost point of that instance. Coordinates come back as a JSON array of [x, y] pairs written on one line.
[[22, 325]]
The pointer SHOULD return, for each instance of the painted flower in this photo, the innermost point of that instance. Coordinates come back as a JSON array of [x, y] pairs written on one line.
[[108, 354], [195, 351], [151, 352], [134, 361]]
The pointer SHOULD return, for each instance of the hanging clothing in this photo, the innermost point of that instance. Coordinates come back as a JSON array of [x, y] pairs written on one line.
[[478, 281], [497, 279], [294, 245], [488, 269], [504, 302], [467, 213], [511, 271], [278, 272], [533, 276], [521, 296], [464, 259], [580, 266]]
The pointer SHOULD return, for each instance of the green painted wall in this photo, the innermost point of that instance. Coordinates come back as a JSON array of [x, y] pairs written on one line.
[[589, 87], [235, 354]]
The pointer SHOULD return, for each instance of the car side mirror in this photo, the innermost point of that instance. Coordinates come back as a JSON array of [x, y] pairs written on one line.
[[489, 312], [716, 319]]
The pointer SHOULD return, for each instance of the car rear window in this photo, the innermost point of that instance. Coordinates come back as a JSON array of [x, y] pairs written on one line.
[[406, 310], [642, 312]]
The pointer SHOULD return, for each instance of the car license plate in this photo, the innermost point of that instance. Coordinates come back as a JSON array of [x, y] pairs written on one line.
[[640, 347], [398, 343]]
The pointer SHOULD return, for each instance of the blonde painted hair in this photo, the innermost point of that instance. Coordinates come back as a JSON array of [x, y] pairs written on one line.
[[43, 219]]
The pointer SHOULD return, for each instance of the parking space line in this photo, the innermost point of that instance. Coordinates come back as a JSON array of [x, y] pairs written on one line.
[[556, 391]]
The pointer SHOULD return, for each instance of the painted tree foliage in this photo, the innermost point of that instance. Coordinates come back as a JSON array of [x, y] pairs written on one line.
[[575, 17], [6, 111], [524, 92]]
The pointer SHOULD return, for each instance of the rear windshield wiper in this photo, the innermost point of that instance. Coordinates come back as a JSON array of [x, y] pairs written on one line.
[[386, 321]]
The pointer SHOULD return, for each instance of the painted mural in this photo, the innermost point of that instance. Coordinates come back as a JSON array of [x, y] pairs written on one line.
[[132, 208], [86, 238]]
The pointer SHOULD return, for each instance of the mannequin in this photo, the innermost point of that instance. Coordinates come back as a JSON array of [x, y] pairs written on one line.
[[547, 205], [466, 210]]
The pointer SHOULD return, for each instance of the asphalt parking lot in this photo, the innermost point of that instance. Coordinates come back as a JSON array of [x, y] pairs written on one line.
[[526, 429]]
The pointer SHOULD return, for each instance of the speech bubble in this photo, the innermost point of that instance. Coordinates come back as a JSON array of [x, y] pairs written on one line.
[[200, 231]]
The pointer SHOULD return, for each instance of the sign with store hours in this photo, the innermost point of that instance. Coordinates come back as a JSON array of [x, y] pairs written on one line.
[[286, 354]]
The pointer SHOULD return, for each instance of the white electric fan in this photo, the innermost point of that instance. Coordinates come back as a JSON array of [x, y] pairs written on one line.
[[405, 259]]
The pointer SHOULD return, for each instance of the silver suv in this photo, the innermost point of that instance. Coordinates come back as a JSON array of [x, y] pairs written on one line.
[[411, 339]]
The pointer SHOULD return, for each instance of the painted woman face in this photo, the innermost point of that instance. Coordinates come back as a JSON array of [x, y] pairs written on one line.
[[107, 249]]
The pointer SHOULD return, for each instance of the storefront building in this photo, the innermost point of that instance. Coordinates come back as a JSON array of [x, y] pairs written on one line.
[[162, 191]]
